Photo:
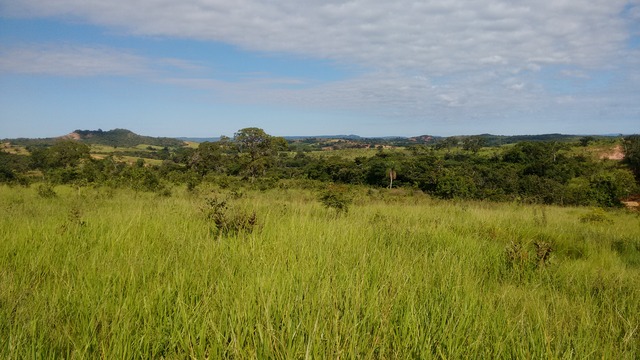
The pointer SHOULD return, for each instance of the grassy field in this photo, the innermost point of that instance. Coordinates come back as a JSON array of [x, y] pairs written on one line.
[[102, 273]]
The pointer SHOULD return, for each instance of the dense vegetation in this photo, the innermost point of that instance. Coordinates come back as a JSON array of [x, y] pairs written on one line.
[[545, 172]]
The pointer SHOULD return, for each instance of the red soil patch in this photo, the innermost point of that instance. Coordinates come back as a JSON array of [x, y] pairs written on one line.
[[615, 154]]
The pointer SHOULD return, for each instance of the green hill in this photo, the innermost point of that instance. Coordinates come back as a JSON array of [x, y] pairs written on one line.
[[121, 138], [115, 138]]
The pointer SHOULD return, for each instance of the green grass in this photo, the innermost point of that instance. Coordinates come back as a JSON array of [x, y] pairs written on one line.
[[117, 274]]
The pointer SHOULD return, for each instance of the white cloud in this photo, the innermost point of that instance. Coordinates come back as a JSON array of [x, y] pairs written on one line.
[[421, 59], [55, 59], [67, 60], [575, 74], [438, 36]]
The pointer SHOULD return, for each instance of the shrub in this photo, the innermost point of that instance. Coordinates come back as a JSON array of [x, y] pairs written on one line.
[[521, 258], [228, 221], [543, 252], [46, 191], [337, 198], [596, 216]]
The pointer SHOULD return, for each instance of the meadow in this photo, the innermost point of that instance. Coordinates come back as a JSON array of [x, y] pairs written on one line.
[[114, 273]]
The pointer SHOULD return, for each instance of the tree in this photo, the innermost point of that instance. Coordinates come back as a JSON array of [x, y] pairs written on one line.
[[258, 150], [631, 146], [586, 140], [62, 154], [447, 143], [473, 143]]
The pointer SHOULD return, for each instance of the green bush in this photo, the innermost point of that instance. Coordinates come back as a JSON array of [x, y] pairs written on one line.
[[596, 216], [46, 191], [337, 198]]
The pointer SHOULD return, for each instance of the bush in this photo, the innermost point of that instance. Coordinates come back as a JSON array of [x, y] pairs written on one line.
[[337, 198], [46, 191], [596, 216], [228, 221]]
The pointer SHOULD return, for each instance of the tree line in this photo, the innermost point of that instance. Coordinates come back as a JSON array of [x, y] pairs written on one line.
[[544, 172]]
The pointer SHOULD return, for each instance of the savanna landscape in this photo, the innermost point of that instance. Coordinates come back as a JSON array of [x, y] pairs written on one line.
[[116, 245]]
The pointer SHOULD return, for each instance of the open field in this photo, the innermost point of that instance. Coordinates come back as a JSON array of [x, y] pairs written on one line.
[[104, 273]]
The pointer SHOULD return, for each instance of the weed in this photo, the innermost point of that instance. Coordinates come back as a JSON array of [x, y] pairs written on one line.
[[596, 216], [521, 258], [163, 191], [228, 221], [75, 217], [543, 252], [517, 255], [46, 191], [540, 216]]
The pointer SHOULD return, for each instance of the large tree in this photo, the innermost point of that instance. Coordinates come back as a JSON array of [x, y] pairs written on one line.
[[258, 150]]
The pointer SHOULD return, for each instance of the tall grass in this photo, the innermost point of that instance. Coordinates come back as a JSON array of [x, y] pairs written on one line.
[[118, 274]]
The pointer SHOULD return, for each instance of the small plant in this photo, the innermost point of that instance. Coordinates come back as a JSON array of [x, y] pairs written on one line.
[[75, 217], [163, 191], [517, 255], [46, 191], [192, 183], [543, 252], [337, 198], [228, 221], [74, 221], [596, 216], [540, 216], [521, 258]]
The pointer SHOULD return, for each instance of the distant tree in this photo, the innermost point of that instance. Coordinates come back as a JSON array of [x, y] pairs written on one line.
[[609, 187], [631, 147], [7, 173], [258, 150], [62, 154], [473, 143], [586, 140], [208, 157], [447, 143]]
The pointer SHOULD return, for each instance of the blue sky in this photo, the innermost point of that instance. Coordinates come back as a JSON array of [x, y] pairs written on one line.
[[374, 68]]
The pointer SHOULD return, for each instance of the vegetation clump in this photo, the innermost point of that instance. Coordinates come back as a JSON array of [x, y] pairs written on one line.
[[596, 216], [336, 198], [522, 257], [227, 220], [45, 190]]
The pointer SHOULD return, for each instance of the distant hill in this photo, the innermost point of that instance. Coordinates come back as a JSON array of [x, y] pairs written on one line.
[[115, 137], [121, 138], [127, 138]]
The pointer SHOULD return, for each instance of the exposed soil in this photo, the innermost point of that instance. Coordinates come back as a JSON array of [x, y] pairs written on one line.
[[615, 154], [632, 202], [73, 135]]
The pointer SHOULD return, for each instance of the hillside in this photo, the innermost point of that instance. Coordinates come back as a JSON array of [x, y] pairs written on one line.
[[115, 138], [121, 138]]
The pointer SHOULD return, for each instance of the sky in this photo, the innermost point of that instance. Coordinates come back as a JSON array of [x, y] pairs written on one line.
[[205, 68]]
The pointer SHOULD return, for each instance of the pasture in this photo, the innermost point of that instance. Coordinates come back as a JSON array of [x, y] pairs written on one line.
[[113, 273]]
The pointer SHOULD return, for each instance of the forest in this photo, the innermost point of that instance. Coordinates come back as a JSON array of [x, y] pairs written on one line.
[[540, 170]]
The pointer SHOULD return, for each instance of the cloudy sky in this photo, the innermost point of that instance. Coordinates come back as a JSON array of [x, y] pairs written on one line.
[[310, 67]]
